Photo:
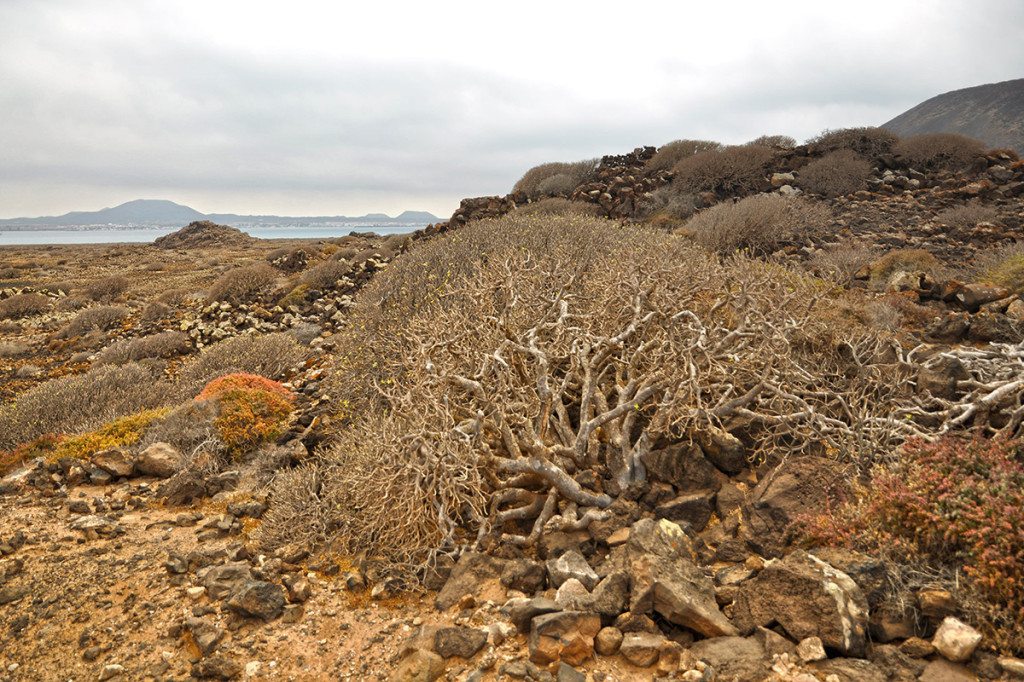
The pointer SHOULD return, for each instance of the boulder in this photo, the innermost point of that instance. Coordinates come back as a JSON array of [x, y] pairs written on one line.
[[257, 599], [572, 596], [521, 611], [418, 666], [459, 641], [524, 575], [476, 574], [973, 296], [220, 581], [723, 449], [115, 461], [567, 636], [641, 648], [956, 640], [683, 466], [733, 658], [690, 508], [571, 564], [159, 459], [808, 598], [941, 670], [611, 596], [608, 641]]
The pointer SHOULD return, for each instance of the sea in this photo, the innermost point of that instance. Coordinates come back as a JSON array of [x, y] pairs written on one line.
[[100, 234]]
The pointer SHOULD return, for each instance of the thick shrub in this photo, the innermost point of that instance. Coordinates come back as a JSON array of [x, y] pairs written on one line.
[[325, 275], [958, 504], [250, 410], [119, 433], [667, 206], [781, 142], [727, 172], [906, 260], [99, 318], [668, 155], [107, 289], [967, 215], [870, 142], [939, 151], [1002, 266], [558, 206], [154, 312], [268, 355], [298, 516], [243, 285], [78, 403], [759, 224], [166, 344], [23, 305], [835, 174], [572, 175], [840, 263]]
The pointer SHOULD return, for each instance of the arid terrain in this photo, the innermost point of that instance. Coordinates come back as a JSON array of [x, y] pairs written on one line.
[[696, 412]]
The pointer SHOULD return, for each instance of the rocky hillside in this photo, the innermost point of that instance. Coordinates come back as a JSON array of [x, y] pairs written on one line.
[[993, 113]]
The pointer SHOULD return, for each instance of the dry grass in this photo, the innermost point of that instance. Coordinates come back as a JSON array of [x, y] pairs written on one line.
[[835, 174], [558, 206], [164, 345], [1002, 266], [666, 206], [759, 224], [967, 215], [780, 142], [840, 263], [907, 260]]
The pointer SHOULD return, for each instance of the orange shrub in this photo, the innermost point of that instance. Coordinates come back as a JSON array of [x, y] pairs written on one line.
[[251, 410], [42, 446]]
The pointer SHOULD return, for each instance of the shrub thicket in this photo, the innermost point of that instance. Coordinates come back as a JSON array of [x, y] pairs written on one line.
[[939, 151], [780, 142], [23, 305], [869, 142], [243, 285], [668, 155], [726, 172], [957, 504], [759, 224], [98, 318], [166, 344], [325, 275], [268, 355], [555, 178], [558, 206], [835, 174]]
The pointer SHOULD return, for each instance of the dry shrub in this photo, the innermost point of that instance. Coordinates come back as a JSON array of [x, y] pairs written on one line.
[[174, 297], [73, 404], [23, 305], [967, 215], [99, 318], [666, 206], [154, 312], [759, 224], [14, 349], [563, 177], [869, 142], [780, 142], [558, 206], [188, 427], [835, 174], [251, 410], [905, 260], [538, 332], [166, 344], [957, 505], [840, 263], [325, 275], [1002, 266], [247, 284], [120, 433], [268, 355], [668, 155], [726, 172], [107, 289], [289, 259], [939, 151], [297, 515]]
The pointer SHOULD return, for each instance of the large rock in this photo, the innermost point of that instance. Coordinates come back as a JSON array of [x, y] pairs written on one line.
[[115, 461], [641, 648], [799, 486], [725, 450], [683, 466], [567, 636], [733, 658], [973, 296], [220, 581], [418, 666], [659, 560], [459, 641], [808, 598], [522, 611], [691, 508], [571, 564], [956, 640], [159, 459], [257, 599], [476, 574]]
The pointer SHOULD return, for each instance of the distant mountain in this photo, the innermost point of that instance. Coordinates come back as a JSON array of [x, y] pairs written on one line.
[[160, 212], [992, 113]]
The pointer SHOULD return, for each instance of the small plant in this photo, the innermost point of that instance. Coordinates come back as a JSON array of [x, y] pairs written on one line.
[[907, 260], [957, 503], [759, 224], [1002, 266], [549, 177], [243, 285], [325, 275], [23, 305], [99, 318], [268, 355], [119, 433], [730, 171], [835, 174], [558, 206], [107, 289], [166, 344], [42, 446], [667, 206], [939, 151], [967, 215], [251, 410]]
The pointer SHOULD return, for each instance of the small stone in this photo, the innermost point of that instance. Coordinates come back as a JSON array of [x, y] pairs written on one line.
[[1012, 666], [259, 599], [810, 650], [111, 671], [608, 641], [641, 648], [571, 565], [915, 647], [956, 640]]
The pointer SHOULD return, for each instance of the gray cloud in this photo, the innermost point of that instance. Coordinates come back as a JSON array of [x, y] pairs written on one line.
[[102, 104]]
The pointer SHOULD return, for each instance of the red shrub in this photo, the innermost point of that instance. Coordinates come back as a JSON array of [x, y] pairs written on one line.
[[251, 410], [956, 503]]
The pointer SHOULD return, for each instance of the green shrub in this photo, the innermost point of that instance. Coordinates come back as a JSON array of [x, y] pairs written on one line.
[[957, 504], [572, 175], [869, 142], [726, 172], [759, 224], [250, 410], [247, 284], [23, 305], [939, 151], [835, 174]]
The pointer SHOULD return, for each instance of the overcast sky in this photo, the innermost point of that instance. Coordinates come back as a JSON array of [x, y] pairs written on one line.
[[302, 108]]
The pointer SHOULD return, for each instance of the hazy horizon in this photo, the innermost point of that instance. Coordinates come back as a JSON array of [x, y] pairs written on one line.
[[247, 109]]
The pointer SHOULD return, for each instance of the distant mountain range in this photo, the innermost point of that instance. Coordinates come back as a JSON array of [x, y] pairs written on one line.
[[162, 213], [992, 113]]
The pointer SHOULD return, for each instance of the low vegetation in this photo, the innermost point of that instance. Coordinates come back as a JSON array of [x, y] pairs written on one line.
[[837, 173], [759, 224], [97, 318], [250, 410], [967, 216], [869, 142], [23, 305], [267, 355], [554, 179], [727, 172], [668, 155], [248, 284], [939, 151]]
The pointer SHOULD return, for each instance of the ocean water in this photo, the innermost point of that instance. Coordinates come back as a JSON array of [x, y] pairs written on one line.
[[115, 235]]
